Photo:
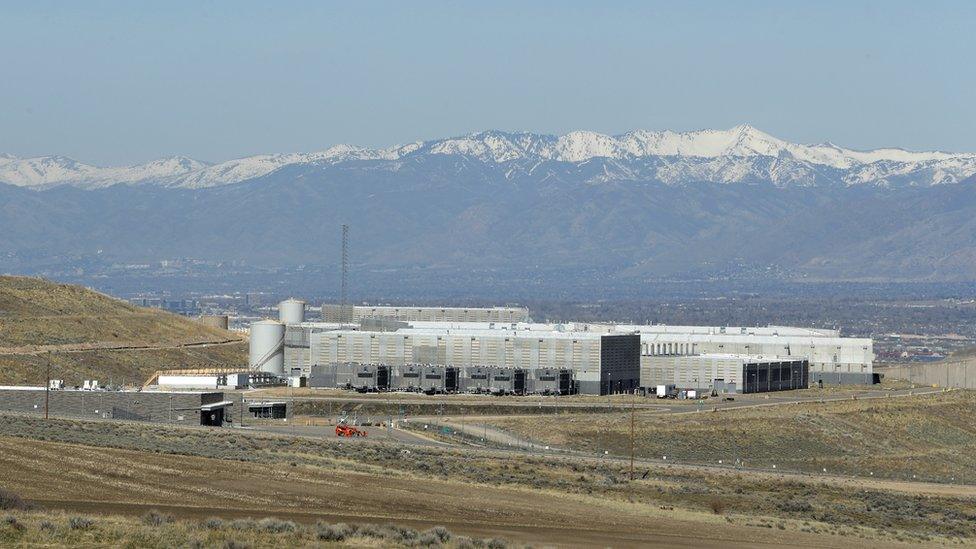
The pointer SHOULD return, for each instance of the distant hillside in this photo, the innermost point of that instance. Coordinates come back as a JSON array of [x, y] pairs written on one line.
[[460, 213], [93, 336], [644, 205]]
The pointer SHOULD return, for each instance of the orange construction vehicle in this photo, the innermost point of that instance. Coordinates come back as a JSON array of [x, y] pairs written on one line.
[[349, 431]]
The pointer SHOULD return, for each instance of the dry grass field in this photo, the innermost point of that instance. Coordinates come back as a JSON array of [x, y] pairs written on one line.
[[37, 312], [84, 331], [930, 437], [112, 468], [158, 529]]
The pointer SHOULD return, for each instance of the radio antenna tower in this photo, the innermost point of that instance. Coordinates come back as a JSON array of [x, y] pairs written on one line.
[[343, 296]]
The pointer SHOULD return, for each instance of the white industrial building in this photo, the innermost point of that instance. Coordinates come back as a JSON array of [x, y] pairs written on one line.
[[833, 359], [601, 363], [395, 336], [176, 380]]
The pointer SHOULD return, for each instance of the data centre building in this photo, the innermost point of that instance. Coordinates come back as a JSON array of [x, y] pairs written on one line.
[[832, 359], [600, 363]]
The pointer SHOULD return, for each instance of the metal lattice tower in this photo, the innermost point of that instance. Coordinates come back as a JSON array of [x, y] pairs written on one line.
[[343, 296]]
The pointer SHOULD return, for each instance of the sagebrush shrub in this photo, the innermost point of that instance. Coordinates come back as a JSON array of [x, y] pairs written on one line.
[[9, 501], [277, 526], [155, 518], [334, 532], [80, 523]]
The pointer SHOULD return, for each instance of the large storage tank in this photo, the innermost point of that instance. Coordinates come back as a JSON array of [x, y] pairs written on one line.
[[215, 321], [267, 347], [291, 311]]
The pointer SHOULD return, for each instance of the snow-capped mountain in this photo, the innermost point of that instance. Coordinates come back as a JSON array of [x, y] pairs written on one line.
[[49, 171], [740, 154]]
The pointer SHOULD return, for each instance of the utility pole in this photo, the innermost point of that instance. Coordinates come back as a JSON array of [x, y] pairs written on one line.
[[343, 296], [47, 389], [633, 422]]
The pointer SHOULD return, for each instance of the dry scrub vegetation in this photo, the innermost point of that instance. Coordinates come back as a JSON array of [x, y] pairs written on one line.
[[155, 529], [37, 312], [794, 504], [930, 437]]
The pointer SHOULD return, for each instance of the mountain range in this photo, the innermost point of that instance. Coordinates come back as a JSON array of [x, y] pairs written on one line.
[[637, 206], [740, 154]]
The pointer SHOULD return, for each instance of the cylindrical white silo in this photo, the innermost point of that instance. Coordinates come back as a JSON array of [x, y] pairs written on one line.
[[291, 311], [267, 347]]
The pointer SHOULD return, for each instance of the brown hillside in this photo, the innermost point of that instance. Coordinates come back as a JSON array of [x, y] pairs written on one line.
[[89, 335], [38, 312]]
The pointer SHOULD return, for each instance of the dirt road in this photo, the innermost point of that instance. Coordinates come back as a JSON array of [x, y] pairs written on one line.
[[110, 346]]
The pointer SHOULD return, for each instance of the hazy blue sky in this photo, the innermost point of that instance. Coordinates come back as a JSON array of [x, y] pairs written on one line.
[[122, 82]]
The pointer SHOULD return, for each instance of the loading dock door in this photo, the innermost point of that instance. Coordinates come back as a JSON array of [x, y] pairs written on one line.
[[565, 382], [751, 378], [518, 383], [451, 380]]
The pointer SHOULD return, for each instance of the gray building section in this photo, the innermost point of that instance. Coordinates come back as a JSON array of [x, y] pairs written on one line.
[[435, 378], [192, 408], [296, 349], [494, 380], [550, 381], [725, 373], [619, 366], [476, 379], [507, 381], [335, 313], [600, 363], [363, 377], [409, 377], [323, 375], [836, 360]]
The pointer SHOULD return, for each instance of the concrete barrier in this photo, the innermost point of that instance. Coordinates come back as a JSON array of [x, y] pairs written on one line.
[[948, 373]]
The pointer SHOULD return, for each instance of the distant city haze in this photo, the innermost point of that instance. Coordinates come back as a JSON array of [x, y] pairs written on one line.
[[117, 83]]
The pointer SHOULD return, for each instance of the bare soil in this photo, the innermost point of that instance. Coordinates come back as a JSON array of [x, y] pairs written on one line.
[[108, 481]]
